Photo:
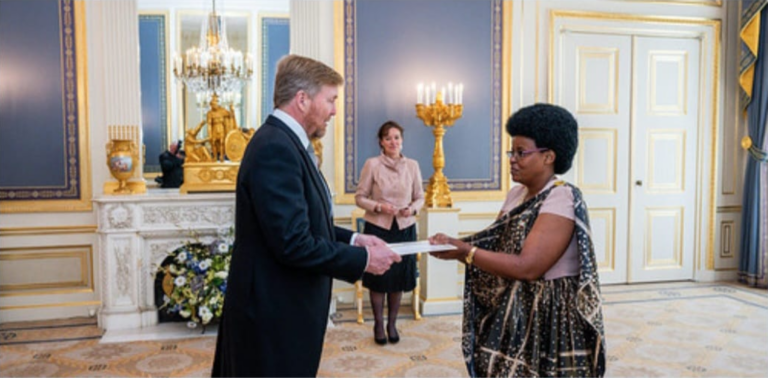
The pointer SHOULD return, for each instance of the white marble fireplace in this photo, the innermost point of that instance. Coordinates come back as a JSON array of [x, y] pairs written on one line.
[[136, 232]]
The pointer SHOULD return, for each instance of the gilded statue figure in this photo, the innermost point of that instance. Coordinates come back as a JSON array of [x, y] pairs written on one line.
[[195, 148], [220, 122]]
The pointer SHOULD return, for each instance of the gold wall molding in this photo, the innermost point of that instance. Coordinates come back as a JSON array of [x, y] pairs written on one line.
[[44, 305], [676, 260], [82, 252], [83, 132], [727, 246], [608, 215], [728, 209], [710, 40], [611, 56], [711, 3], [340, 144], [680, 58], [731, 187], [611, 138], [676, 137], [49, 230]]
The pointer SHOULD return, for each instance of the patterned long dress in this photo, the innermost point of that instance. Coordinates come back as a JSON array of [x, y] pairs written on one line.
[[542, 328]]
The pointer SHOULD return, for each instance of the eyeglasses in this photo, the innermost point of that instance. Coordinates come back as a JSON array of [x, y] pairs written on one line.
[[521, 154]]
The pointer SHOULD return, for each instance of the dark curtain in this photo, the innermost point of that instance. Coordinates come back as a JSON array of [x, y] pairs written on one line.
[[754, 235]]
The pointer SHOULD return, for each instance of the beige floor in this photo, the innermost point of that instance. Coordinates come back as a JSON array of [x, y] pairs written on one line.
[[658, 330]]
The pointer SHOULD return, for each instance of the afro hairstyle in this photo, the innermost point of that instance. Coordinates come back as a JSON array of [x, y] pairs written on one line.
[[550, 126]]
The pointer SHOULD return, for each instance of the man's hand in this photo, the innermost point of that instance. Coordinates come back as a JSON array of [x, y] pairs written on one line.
[[362, 240], [380, 258]]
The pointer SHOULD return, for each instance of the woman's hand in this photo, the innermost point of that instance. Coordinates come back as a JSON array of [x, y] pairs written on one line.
[[405, 212], [459, 253], [386, 208]]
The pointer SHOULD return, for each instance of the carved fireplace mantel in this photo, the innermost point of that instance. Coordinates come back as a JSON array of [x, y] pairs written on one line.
[[136, 232]]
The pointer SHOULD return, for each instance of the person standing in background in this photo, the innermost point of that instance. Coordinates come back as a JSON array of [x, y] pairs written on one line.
[[391, 194], [172, 165]]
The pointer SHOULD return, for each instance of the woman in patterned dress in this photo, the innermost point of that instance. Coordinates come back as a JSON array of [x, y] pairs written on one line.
[[532, 304]]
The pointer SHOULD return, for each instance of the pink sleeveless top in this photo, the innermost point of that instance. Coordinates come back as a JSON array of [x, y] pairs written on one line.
[[559, 202]]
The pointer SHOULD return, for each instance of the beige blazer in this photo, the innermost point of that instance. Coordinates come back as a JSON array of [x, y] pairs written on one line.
[[393, 181]]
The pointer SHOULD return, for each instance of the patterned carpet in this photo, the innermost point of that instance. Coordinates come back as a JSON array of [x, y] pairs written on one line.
[[659, 330]]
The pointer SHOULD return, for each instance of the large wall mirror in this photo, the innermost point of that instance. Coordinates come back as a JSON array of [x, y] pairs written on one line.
[[193, 106]]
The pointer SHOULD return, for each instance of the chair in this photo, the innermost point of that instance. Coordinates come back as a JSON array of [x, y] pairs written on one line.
[[358, 225]]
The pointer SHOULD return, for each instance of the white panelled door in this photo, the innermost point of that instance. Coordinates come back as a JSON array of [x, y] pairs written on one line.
[[595, 86], [665, 130], [636, 101]]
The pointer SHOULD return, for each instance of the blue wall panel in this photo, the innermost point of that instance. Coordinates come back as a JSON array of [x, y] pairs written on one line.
[[393, 46], [39, 157], [275, 43], [154, 114]]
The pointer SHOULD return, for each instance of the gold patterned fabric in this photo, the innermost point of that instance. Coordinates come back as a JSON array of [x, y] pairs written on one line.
[[547, 328], [749, 34]]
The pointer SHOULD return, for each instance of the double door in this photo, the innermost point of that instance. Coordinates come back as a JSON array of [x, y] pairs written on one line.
[[636, 99]]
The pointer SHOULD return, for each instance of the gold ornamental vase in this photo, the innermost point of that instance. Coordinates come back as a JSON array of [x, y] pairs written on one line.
[[122, 156]]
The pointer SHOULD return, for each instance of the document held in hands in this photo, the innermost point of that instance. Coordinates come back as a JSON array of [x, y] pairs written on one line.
[[409, 248]]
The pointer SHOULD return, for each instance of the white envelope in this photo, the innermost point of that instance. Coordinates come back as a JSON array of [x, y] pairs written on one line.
[[409, 248]]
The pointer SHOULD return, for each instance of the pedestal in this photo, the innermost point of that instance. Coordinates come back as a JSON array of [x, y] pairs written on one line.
[[210, 177], [439, 279]]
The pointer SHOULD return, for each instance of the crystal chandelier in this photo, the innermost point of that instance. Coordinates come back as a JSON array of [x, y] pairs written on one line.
[[213, 67]]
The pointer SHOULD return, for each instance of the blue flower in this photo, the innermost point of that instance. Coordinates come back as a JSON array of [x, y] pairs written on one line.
[[199, 272]]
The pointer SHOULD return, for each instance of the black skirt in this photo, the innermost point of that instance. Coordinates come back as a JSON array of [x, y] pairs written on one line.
[[400, 276]]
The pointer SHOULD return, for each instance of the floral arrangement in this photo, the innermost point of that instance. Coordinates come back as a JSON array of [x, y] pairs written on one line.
[[196, 280]]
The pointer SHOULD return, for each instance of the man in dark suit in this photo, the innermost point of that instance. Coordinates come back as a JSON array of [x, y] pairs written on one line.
[[287, 249], [172, 162]]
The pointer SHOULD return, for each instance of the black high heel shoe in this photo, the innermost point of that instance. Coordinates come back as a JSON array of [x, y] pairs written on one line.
[[380, 341], [393, 339]]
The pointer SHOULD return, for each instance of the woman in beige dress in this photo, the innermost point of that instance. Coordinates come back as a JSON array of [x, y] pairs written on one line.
[[390, 192]]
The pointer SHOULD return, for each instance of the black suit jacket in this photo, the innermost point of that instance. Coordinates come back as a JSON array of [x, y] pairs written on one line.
[[173, 170], [286, 253]]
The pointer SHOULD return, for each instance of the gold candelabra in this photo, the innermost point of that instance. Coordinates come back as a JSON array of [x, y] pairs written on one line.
[[439, 115]]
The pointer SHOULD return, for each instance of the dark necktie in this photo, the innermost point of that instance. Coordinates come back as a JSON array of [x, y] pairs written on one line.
[[311, 151]]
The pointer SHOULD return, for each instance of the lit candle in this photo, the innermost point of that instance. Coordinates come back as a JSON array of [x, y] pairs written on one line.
[[249, 62], [461, 93], [420, 93], [433, 93], [449, 96]]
